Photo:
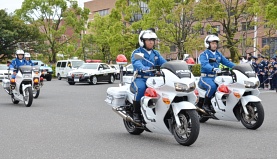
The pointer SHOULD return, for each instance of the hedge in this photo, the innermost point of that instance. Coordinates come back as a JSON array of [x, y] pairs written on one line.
[[196, 70]]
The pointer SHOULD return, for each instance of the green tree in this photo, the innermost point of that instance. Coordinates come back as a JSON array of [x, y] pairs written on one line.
[[12, 31], [228, 14], [175, 23], [54, 19]]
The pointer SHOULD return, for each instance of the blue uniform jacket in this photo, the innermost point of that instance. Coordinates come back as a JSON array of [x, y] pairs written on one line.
[[207, 67], [30, 62], [16, 64], [255, 65], [141, 64]]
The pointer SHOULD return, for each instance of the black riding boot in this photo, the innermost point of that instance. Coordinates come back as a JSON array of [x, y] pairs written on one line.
[[137, 112], [207, 104]]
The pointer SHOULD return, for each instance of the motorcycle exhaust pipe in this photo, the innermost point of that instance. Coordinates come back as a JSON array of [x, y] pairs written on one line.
[[125, 117], [201, 110]]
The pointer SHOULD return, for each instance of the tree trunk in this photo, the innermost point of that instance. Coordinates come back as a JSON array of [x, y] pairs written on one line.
[[53, 53]]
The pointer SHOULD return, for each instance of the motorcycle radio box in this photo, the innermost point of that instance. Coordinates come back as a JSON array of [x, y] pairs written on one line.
[[116, 96], [6, 83]]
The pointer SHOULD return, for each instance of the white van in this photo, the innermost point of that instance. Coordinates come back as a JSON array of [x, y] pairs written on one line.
[[64, 66]]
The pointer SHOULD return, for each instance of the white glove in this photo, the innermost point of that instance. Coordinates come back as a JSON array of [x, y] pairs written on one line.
[[217, 70]]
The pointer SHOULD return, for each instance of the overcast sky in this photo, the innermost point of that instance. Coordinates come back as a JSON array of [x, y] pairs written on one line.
[[12, 5]]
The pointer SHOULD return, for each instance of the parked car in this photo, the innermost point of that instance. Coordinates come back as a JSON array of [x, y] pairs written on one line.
[[117, 70], [65, 66], [3, 71], [128, 70], [46, 71], [91, 73]]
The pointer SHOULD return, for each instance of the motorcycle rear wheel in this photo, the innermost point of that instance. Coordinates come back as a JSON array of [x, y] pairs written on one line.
[[28, 98], [189, 130], [256, 115], [131, 128]]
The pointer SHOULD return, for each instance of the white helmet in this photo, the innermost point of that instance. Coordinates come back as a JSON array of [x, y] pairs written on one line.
[[146, 34], [27, 54], [19, 52], [210, 38]]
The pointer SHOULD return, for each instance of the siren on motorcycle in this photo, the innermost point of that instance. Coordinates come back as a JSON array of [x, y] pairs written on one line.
[[121, 59]]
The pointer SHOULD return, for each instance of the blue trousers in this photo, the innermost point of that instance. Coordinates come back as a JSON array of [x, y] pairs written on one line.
[[209, 84], [139, 86]]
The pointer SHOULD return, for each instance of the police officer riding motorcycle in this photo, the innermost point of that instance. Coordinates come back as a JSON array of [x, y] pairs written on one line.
[[210, 60], [147, 40]]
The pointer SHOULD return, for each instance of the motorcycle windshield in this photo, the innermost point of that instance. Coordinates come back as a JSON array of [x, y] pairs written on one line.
[[178, 67], [25, 69], [245, 69], [36, 68]]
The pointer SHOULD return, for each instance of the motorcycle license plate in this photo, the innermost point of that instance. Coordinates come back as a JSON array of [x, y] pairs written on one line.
[[76, 79]]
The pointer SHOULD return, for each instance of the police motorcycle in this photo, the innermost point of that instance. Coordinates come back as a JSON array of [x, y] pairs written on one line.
[[21, 88], [236, 98], [167, 105]]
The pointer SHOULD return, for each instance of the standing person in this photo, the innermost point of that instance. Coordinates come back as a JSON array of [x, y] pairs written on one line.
[[271, 75], [147, 40], [254, 64], [17, 62], [265, 77], [261, 66], [210, 60]]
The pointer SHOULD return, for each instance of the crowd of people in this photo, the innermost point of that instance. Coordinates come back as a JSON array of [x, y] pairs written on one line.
[[265, 68]]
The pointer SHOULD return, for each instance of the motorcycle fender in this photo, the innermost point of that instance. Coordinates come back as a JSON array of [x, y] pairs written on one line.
[[246, 99], [249, 98], [24, 87], [177, 107]]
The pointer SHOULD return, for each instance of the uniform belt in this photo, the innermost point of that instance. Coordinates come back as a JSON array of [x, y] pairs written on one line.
[[142, 76], [207, 75]]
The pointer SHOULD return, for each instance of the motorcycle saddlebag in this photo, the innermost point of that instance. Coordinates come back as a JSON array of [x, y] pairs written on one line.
[[6, 83], [116, 96]]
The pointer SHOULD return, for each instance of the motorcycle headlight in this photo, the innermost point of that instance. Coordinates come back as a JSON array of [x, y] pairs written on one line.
[[181, 87], [253, 85]]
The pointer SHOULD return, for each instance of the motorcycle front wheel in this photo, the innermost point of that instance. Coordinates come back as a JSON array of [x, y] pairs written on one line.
[[188, 132], [255, 118], [13, 100], [28, 98], [36, 93]]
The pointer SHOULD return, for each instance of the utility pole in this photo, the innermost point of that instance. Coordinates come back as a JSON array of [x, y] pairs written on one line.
[[255, 36]]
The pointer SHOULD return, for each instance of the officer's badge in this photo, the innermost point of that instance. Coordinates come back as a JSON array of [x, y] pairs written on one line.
[[156, 57]]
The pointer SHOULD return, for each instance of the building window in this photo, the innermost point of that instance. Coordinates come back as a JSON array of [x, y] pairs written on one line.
[[138, 15], [103, 12], [246, 26], [272, 43], [172, 48]]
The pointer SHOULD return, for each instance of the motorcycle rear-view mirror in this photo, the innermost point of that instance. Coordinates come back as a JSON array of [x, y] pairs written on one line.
[[139, 56]]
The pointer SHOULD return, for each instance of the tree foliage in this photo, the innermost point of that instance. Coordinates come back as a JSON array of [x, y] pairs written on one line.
[[54, 18], [12, 31], [175, 22], [229, 14]]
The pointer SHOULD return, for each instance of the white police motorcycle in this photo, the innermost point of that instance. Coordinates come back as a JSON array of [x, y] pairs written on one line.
[[236, 98], [167, 105], [21, 88]]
